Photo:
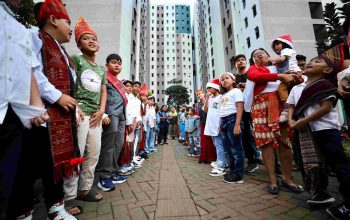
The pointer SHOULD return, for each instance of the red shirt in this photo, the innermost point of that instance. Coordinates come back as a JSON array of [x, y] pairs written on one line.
[[261, 76]]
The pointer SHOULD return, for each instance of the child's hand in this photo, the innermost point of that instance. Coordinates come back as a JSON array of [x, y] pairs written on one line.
[[106, 121], [95, 119], [237, 130], [40, 119], [291, 123], [67, 102], [299, 124], [344, 88]]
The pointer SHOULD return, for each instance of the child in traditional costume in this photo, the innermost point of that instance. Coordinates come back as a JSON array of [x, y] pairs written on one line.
[[50, 150], [312, 113], [113, 127], [90, 93]]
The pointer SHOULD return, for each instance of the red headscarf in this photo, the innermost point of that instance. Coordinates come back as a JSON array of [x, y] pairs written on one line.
[[52, 7]]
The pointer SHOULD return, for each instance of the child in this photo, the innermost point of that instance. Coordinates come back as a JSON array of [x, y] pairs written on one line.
[[212, 125], [163, 125], [312, 113], [151, 125], [286, 62], [173, 130], [113, 127], [181, 119], [90, 93], [191, 130], [231, 111]]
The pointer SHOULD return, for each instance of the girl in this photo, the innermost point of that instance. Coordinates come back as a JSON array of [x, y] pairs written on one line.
[[286, 62], [173, 123], [163, 125], [191, 130], [231, 111], [182, 119]]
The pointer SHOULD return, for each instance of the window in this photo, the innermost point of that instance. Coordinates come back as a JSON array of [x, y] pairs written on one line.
[[226, 50], [212, 62], [246, 22], [223, 20], [248, 42], [229, 31], [232, 62], [254, 10], [257, 34], [316, 10], [244, 4]]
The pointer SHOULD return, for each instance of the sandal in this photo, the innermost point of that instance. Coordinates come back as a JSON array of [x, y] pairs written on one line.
[[293, 188], [274, 190], [73, 204], [90, 196]]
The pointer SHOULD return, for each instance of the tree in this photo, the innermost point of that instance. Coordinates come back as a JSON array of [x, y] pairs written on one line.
[[334, 31], [178, 95], [174, 81]]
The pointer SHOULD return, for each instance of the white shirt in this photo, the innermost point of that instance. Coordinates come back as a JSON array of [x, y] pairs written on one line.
[[272, 86], [292, 59], [328, 121], [17, 62], [132, 109], [228, 102], [212, 124], [150, 116]]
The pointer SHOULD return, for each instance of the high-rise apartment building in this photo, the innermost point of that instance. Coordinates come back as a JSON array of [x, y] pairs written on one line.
[[169, 49], [223, 29], [120, 26]]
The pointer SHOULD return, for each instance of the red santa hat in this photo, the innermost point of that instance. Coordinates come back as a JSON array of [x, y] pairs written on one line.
[[214, 83], [285, 39], [81, 28], [52, 7]]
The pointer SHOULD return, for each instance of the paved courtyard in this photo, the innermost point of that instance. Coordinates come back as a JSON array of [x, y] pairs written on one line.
[[171, 185]]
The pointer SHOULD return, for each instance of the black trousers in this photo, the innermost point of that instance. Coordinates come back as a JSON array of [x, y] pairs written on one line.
[[250, 150], [332, 151], [35, 161], [10, 149], [163, 132]]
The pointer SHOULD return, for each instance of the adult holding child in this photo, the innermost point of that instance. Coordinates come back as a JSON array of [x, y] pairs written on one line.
[[269, 134]]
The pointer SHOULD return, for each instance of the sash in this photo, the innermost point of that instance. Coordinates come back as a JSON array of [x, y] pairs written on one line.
[[117, 85], [62, 124]]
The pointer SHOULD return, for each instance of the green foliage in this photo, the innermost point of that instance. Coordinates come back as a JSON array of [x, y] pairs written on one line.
[[334, 31], [178, 95], [24, 12]]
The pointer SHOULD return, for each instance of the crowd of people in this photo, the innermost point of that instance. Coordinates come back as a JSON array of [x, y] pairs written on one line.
[[72, 123]]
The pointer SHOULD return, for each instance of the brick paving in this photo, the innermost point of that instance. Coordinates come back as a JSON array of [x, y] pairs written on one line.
[[171, 185]]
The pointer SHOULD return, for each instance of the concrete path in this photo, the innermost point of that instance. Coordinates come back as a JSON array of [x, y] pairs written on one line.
[[171, 185]]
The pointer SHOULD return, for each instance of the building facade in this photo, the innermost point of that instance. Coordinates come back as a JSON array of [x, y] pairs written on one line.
[[169, 50], [119, 24]]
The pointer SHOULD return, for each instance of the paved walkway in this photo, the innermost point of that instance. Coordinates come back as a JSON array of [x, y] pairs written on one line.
[[171, 185]]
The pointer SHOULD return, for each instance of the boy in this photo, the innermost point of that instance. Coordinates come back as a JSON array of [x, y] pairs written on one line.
[[312, 113], [192, 124], [150, 119], [114, 126], [90, 93], [50, 148], [18, 95]]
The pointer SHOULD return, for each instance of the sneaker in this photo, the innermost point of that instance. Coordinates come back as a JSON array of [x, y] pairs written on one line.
[[318, 199], [339, 212], [26, 216], [217, 172], [144, 156], [233, 179], [136, 165], [213, 164], [251, 167], [124, 172], [284, 116], [57, 212], [106, 184], [119, 179], [259, 161]]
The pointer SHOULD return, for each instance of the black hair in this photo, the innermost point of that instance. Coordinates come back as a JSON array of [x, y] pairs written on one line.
[[251, 61], [237, 57], [284, 45], [113, 56], [161, 108], [136, 83], [300, 57], [37, 8], [126, 82]]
